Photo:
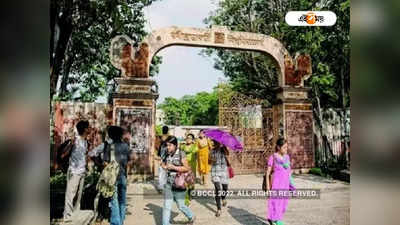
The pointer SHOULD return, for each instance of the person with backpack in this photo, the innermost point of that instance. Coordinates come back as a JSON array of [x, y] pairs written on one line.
[[176, 164], [162, 151], [76, 170], [161, 156], [114, 151], [126, 137]]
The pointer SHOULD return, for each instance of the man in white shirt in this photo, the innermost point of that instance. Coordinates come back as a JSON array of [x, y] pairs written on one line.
[[76, 170]]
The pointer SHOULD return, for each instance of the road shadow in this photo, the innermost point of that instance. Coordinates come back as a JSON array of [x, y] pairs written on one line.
[[128, 205], [208, 202], [244, 217], [156, 211]]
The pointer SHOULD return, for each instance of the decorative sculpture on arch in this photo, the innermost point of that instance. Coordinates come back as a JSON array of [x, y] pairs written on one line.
[[295, 74], [136, 91], [133, 62]]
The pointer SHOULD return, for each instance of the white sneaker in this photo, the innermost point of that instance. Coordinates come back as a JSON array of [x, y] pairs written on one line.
[[191, 221]]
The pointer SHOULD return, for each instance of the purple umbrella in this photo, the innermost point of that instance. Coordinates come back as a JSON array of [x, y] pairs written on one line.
[[224, 138]]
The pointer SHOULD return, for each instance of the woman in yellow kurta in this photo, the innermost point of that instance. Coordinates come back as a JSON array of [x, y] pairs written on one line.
[[204, 146]]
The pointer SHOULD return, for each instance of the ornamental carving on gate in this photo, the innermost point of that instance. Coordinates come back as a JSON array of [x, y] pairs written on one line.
[[246, 117], [135, 61], [251, 122]]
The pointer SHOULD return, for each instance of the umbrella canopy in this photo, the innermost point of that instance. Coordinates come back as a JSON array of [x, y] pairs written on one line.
[[224, 138]]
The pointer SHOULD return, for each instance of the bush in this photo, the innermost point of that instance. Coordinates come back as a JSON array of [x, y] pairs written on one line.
[[58, 184], [158, 130], [317, 171], [58, 180]]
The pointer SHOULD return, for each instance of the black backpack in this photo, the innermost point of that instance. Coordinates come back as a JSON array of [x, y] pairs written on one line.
[[63, 153], [162, 151]]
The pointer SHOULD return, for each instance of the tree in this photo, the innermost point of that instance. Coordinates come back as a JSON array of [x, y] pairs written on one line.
[[199, 109], [81, 32], [255, 74]]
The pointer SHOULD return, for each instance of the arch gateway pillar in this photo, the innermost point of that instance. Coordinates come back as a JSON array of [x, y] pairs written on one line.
[[135, 98]]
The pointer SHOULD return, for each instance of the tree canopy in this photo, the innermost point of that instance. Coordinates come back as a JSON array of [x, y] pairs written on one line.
[[255, 74], [198, 109], [81, 32]]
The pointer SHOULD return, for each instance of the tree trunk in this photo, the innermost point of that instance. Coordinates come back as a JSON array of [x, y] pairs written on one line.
[[65, 34], [65, 30], [326, 150], [53, 21], [343, 119], [69, 59]]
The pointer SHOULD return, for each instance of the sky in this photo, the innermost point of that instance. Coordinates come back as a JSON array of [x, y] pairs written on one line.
[[183, 70]]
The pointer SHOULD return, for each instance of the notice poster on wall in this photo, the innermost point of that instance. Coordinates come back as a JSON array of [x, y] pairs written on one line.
[[251, 116], [137, 122]]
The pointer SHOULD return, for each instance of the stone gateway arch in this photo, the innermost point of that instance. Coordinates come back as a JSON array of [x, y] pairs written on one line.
[[134, 101]]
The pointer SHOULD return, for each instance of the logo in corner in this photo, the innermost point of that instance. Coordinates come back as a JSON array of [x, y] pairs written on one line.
[[312, 18]]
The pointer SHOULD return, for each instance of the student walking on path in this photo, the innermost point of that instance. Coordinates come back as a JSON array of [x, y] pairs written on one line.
[[204, 146], [219, 174], [175, 163], [119, 151], [161, 146], [190, 148], [76, 170], [279, 166]]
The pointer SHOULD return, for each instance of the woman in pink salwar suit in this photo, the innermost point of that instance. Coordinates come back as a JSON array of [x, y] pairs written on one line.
[[279, 165]]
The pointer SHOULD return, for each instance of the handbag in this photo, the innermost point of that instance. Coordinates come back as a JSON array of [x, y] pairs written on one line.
[[230, 169], [183, 179]]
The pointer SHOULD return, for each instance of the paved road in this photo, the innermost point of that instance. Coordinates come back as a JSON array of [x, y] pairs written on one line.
[[333, 207]]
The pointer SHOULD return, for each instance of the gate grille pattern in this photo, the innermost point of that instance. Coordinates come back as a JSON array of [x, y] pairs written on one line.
[[246, 118]]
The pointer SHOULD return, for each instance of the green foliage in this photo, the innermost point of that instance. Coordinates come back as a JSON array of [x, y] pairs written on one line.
[[255, 74], [58, 180], [199, 109], [86, 69], [317, 171], [158, 130]]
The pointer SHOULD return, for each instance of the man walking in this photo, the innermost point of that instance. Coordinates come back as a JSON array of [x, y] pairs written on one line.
[[76, 170], [161, 157]]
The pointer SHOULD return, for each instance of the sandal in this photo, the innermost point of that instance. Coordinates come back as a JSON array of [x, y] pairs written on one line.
[[224, 203], [218, 213]]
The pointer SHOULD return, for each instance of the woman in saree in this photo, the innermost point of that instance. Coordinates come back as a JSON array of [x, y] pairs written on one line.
[[190, 148], [204, 146], [279, 163]]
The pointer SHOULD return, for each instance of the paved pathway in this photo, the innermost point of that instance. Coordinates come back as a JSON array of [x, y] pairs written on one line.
[[332, 208]]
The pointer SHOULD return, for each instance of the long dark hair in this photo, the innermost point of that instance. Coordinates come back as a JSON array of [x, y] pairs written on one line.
[[279, 143], [219, 146], [191, 135], [201, 131], [172, 140]]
